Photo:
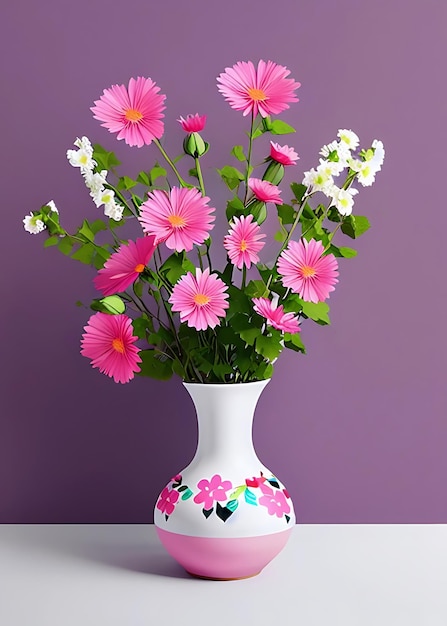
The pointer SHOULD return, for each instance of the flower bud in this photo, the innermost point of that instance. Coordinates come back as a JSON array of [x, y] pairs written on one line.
[[194, 145], [274, 173]]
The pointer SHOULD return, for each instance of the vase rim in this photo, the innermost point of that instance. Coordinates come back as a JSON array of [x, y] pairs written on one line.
[[254, 383]]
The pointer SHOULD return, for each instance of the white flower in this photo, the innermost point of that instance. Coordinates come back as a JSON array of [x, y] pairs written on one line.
[[349, 138], [95, 181], [367, 173], [84, 144], [319, 179], [114, 210], [104, 196], [81, 158], [33, 224], [52, 206], [334, 168], [379, 154], [343, 199]]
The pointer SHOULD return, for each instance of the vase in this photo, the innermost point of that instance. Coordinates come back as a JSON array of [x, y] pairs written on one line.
[[225, 516]]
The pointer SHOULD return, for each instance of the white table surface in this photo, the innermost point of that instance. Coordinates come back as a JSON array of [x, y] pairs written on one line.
[[328, 575]]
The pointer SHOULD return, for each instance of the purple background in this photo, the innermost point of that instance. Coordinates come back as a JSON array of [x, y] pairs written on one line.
[[357, 429]]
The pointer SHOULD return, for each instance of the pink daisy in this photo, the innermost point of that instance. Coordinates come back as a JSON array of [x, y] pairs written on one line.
[[242, 242], [180, 217], [275, 315], [200, 299], [109, 343], [265, 191], [283, 154], [124, 266], [306, 271], [264, 90], [193, 123], [134, 113]]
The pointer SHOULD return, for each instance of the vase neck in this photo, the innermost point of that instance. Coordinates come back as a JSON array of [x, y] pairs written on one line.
[[225, 419]]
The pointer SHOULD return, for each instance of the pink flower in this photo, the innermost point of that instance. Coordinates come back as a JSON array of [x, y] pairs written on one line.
[[275, 315], [109, 343], [283, 154], [265, 191], [306, 271], [275, 502], [134, 113], [176, 479], [200, 299], [264, 90], [193, 123], [211, 491], [180, 217], [242, 242], [167, 501], [124, 266]]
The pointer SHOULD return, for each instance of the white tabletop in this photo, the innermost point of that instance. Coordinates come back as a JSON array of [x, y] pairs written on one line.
[[328, 575]]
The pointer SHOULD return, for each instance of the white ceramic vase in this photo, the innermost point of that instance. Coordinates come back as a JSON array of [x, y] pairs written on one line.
[[226, 515]]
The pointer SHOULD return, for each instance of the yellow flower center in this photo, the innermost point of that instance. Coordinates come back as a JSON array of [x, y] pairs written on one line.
[[83, 159], [139, 268], [201, 299], [177, 221], [118, 345], [243, 246], [308, 271], [257, 94], [132, 115]]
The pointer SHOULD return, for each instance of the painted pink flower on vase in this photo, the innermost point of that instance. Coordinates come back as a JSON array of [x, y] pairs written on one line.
[[180, 217], [201, 299], [192, 123], [124, 266], [167, 501], [265, 90], [211, 491], [243, 241], [109, 343], [265, 191], [307, 271], [134, 112], [275, 316], [275, 502], [283, 154]]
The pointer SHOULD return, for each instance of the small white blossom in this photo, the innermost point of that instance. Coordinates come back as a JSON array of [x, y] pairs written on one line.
[[343, 199], [81, 158], [319, 179], [367, 173], [84, 144], [33, 224], [114, 210], [334, 168], [349, 138], [95, 181], [52, 206], [104, 196], [379, 154]]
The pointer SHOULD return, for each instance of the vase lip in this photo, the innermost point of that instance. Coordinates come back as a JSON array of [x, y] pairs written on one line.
[[255, 383]]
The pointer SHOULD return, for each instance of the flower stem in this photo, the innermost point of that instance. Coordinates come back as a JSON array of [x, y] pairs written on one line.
[[199, 176], [171, 163], [250, 146]]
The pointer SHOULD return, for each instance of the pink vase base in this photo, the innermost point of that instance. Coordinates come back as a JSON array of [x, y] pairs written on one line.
[[223, 558]]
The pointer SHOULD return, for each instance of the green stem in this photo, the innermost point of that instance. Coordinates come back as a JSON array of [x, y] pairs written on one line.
[[199, 176], [171, 163], [244, 276], [250, 146]]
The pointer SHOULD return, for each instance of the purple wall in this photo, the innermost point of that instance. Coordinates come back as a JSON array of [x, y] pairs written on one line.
[[358, 428]]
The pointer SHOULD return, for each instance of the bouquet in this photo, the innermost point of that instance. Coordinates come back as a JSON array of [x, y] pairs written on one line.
[[162, 307]]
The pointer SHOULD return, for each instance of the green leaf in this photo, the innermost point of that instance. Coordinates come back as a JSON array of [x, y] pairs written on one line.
[[280, 236], [231, 176], [175, 266], [355, 225], [85, 253], [142, 325], [235, 207], [97, 226], [105, 160], [278, 127], [143, 178], [317, 311], [298, 190], [86, 231], [51, 241], [264, 370], [157, 172], [293, 342], [250, 335], [65, 245], [154, 365], [286, 213], [126, 183], [110, 304], [347, 253], [270, 347], [259, 211], [238, 152], [237, 492], [256, 289]]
